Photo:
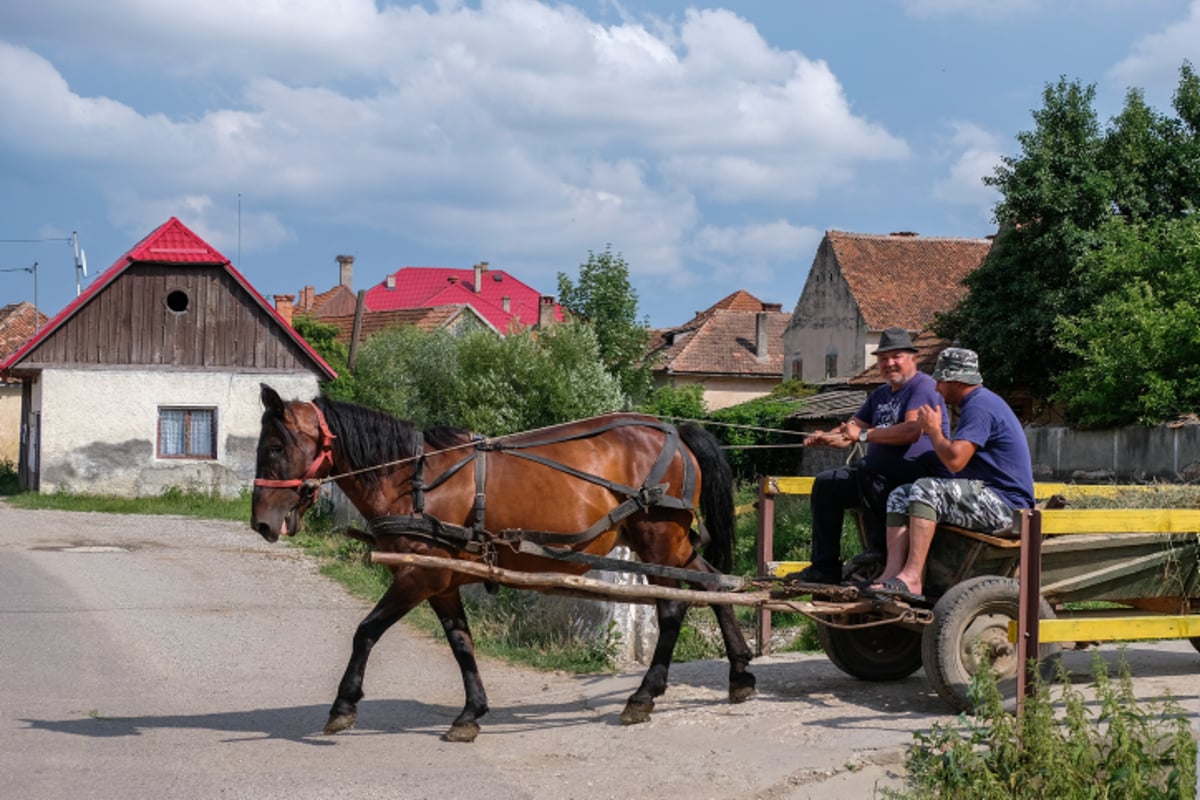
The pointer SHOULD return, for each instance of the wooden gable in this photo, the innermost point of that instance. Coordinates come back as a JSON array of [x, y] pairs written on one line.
[[171, 301]]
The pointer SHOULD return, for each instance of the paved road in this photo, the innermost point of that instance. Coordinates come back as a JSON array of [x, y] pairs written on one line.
[[165, 657]]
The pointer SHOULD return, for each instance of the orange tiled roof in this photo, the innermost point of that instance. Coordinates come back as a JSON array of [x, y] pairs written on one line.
[[373, 322], [905, 279], [18, 323], [338, 301], [721, 340]]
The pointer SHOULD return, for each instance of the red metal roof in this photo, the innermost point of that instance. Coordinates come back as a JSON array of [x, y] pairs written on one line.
[[425, 287], [169, 243]]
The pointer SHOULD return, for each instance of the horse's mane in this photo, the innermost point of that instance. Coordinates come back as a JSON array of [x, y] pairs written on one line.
[[368, 437]]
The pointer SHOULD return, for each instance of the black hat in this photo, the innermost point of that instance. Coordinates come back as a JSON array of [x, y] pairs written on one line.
[[895, 339]]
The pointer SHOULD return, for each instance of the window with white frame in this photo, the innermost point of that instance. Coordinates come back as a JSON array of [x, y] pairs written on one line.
[[187, 432]]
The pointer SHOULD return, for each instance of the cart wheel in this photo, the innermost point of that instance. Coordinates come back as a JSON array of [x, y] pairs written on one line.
[[878, 653], [973, 613]]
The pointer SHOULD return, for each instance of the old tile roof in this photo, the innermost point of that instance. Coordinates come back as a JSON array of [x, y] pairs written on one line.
[[427, 319], [18, 323], [904, 279], [426, 287], [721, 340], [837, 404], [338, 301]]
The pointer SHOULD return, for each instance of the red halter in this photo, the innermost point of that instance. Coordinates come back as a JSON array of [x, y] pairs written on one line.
[[324, 458]]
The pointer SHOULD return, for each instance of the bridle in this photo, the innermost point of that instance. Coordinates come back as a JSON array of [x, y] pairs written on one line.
[[308, 484]]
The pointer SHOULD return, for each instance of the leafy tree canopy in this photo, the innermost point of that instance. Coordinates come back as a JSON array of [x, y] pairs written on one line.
[[604, 298], [323, 338], [494, 385], [1041, 285]]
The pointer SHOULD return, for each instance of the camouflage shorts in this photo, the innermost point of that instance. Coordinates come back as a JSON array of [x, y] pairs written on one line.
[[967, 504]]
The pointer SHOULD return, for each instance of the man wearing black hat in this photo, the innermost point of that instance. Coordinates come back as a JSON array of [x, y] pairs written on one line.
[[897, 452]]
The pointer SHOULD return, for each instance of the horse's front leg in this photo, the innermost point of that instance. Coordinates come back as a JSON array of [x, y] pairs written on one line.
[[654, 683], [394, 604], [449, 608]]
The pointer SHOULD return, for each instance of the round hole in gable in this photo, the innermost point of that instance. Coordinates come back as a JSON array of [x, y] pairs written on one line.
[[178, 301]]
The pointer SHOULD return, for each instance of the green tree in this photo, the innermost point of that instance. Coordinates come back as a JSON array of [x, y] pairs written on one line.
[[604, 298], [1137, 348], [323, 338], [683, 402], [1053, 195], [491, 384], [1058, 200]]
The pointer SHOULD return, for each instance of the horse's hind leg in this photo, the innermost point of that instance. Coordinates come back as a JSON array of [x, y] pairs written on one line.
[[450, 611], [391, 607], [654, 683]]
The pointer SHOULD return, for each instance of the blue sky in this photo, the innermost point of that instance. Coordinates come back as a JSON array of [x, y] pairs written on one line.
[[711, 145]]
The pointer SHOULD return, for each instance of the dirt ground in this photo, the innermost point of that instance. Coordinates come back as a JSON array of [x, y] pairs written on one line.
[[166, 656]]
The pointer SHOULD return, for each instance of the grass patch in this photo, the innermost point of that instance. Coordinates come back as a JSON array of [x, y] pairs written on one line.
[[1069, 749], [173, 500]]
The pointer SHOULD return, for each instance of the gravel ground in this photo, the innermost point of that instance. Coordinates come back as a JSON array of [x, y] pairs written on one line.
[[152, 656]]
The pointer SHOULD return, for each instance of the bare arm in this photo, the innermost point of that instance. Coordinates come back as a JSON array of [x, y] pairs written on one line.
[[954, 453]]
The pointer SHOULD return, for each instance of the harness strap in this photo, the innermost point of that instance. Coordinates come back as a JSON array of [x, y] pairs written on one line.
[[323, 459]]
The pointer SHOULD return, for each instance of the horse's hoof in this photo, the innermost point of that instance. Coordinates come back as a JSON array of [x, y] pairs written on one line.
[[742, 689], [635, 713], [340, 722], [462, 732]]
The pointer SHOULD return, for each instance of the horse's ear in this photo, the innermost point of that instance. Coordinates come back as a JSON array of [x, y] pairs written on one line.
[[271, 400]]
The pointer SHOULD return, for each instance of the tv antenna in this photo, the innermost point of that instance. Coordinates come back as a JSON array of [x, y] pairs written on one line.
[[80, 263]]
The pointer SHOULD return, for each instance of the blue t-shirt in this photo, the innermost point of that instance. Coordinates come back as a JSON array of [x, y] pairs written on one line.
[[884, 408], [1001, 458]]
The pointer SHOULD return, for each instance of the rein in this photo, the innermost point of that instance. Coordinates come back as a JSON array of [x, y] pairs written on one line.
[[324, 459]]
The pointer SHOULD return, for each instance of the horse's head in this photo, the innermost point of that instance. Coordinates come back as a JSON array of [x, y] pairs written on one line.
[[295, 450]]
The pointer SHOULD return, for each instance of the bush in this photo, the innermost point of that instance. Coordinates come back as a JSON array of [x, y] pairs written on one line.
[[9, 480], [1125, 751]]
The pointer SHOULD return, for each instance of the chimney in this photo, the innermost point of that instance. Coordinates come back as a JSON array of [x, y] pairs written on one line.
[[506, 304], [284, 305], [480, 268], [391, 281], [545, 311], [760, 334], [306, 298], [346, 271]]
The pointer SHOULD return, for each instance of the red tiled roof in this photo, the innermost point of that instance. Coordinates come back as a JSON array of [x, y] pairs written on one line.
[[18, 323], [905, 279], [425, 287], [169, 243], [721, 340]]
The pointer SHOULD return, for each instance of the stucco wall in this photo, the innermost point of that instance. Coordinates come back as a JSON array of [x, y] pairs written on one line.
[[826, 318], [10, 422], [721, 392], [99, 428]]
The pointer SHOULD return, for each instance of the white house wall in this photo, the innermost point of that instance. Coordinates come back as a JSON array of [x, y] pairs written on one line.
[[99, 428], [10, 422], [826, 320]]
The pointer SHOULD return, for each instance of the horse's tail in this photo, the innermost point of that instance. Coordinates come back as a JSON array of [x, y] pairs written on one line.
[[716, 494]]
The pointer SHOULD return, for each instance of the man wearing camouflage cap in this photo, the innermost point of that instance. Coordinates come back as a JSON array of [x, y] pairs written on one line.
[[992, 473]]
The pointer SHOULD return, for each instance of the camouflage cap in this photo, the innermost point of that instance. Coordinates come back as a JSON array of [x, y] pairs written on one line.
[[957, 364]]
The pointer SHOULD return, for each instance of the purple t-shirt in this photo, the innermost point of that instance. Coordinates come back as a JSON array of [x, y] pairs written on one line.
[[1001, 458], [884, 408]]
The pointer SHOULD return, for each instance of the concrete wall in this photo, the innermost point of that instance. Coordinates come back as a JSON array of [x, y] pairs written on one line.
[[1130, 454], [10, 422], [99, 428], [722, 392]]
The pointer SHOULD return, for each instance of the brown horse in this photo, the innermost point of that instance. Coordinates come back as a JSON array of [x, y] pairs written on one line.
[[585, 486]]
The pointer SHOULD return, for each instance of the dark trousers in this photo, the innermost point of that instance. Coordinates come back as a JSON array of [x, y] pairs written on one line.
[[853, 486]]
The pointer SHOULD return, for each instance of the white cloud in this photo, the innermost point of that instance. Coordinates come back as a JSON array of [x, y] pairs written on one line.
[[1154, 63], [973, 154]]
